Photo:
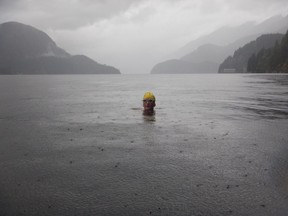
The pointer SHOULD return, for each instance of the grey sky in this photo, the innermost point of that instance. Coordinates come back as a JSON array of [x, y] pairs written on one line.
[[133, 35]]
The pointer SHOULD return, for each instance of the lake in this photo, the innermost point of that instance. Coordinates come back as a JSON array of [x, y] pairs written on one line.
[[79, 145]]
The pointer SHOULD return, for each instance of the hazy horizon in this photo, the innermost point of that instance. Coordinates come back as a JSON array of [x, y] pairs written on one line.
[[134, 35]]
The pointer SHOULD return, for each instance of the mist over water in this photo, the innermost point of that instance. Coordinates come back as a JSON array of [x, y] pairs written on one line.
[[80, 145]]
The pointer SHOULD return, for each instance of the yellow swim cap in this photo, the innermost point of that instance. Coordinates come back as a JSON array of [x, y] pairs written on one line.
[[149, 96]]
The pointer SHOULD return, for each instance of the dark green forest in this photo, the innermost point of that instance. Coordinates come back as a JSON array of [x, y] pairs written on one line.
[[272, 60]]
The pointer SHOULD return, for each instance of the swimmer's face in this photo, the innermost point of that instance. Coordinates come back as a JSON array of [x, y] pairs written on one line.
[[148, 104]]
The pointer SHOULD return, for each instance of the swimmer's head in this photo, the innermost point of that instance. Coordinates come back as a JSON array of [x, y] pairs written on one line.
[[149, 96], [149, 102]]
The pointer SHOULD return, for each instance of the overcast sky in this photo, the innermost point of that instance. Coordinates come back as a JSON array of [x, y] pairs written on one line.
[[133, 35]]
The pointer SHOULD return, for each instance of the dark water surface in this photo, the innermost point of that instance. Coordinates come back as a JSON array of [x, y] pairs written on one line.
[[79, 145]]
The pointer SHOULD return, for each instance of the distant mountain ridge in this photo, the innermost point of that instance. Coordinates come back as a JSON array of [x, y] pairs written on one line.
[[206, 59], [27, 50], [178, 66], [214, 48], [238, 62], [270, 60], [227, 35]]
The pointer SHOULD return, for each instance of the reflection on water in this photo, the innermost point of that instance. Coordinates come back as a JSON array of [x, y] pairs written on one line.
[[269, 114], [149, 117], [266, 97]]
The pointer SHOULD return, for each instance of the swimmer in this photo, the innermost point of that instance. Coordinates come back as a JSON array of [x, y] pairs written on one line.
[[149, 104]]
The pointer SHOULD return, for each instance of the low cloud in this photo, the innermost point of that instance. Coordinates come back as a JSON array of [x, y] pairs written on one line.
[[63, 14], [133, 35]]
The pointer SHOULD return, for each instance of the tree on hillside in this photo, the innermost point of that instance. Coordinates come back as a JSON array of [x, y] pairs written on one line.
[[276, 56], [273, 60], [252, 63]]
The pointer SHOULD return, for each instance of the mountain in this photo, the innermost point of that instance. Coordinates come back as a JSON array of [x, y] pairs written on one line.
[[211, 50], [205, 59], [227, 35], [238, 63], [270, 60], [27, 50], [216, 53], [176, 66]]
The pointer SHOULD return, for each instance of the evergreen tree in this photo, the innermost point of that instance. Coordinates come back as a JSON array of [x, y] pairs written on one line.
[[271, 60], [252, 63], [275, 56]]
